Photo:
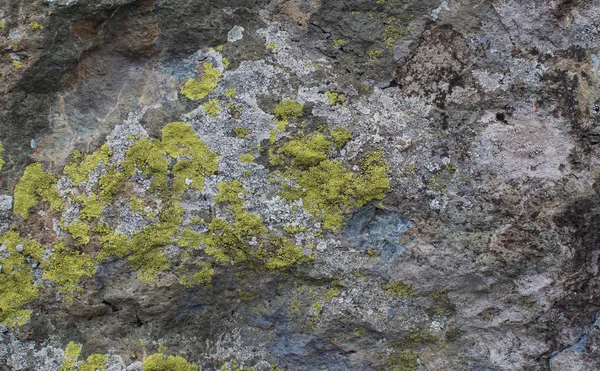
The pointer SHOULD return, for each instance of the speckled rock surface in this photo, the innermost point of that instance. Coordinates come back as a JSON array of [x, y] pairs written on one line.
[[483, 254]]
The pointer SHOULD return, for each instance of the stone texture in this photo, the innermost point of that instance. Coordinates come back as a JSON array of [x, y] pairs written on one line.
[[488, 113]]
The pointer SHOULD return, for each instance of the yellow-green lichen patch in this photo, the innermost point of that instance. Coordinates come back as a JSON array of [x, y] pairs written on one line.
[[373, 182], [241, 132], [334, 98], [202, 277], [213, 108], [17, 287], [113, 244], [95, 362], [78, 170], [326, 190], [395, 30], [226, 63], [400, 289], [80, 231], [374, 55], [189, 239], [66, 267], [160, 362], [281, 125], [36, 26], [307, 151], [230, 93], [146, 155], [72, 352], [196, 90], [247, 158], [329, 191], [228, 242], [287, 255], [340, 136], [403, 361], [146, 247], [35, 183], [195, 160], [110, 183], [338, 43], [1, 157], [271, 46], [92, 207], [17, 64], [289, 109]]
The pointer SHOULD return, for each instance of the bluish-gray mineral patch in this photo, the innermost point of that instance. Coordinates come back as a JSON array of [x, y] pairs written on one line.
[[378, 229]]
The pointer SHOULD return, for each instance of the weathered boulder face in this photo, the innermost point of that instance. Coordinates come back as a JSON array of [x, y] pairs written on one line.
[[299, 185]]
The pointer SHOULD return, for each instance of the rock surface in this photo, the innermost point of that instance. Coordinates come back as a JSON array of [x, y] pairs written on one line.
[[483, 254]]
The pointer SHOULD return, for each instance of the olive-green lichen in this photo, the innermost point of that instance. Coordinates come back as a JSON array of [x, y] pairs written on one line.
[[226, 63], [17, 287], [328, 190], [289, 109], [307, 151], [189, 239], [230, 93], [35, 183], [213, 108], [202, 277], [196, 90], [403, 361], [334, 98], [374, 55], [1, 157], [80, 232], [160, 362], [287, 255], [95, 362], [395, 30], [92, 207], [66, 267], [271, 46], [195, 160], [340, 136], [332, 293], [110, 183], [338, 43], [146, 156], [72, 352], [228, 242], [146, 247], [373, 182], [36, 26], [78, 169], [400, 289], [17, 64], [113, 244], [241, 132], [247, 158]]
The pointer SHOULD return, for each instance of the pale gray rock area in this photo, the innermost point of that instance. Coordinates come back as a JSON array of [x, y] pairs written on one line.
[[487, 112]]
